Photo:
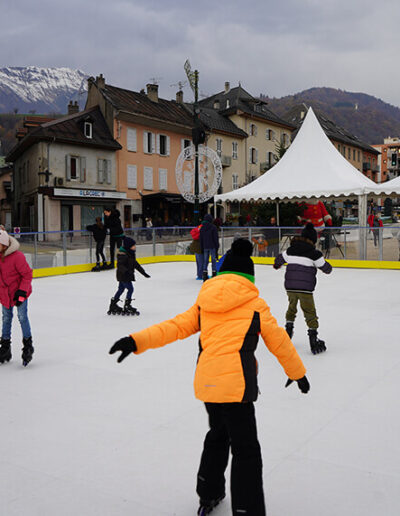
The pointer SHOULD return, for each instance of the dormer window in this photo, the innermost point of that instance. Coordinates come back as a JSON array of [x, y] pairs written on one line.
[[88, 129]]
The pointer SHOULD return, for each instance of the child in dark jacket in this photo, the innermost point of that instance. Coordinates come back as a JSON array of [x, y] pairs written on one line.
[[209, 245], [300, 279], [99, 234], [126, 265]]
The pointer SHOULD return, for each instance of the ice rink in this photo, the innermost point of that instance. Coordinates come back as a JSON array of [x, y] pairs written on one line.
[[83, 435]]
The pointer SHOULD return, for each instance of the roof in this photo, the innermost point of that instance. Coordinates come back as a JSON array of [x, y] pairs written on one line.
[[139, 103], [311, 167], [69, 129], [240, 100], [214, 121], [333, 131], [388, 187]]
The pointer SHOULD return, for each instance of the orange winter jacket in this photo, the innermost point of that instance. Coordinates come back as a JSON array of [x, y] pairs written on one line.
[[230, 316]]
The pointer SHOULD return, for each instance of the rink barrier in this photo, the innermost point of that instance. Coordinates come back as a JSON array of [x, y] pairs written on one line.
[[347, 264]]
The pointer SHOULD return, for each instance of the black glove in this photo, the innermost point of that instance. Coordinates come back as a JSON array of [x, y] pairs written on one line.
[[126, 345], [17, 295], [302, 384], [146, 275]]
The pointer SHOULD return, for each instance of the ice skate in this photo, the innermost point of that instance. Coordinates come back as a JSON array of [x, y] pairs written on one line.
[[289, 327], [128, 309], [27, 351], [96, 267], [207, 506], [5, 350], [316, 345], [114, 308]]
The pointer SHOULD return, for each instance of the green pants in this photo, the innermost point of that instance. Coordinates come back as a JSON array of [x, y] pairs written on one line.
[[307, 305]]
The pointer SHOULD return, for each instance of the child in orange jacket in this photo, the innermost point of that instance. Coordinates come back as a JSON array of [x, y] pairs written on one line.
[[230, 316]]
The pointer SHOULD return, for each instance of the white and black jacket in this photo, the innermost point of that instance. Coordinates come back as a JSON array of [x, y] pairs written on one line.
[[303, 261]]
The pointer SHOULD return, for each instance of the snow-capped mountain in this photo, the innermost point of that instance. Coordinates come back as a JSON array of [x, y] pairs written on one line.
[[43, 90]]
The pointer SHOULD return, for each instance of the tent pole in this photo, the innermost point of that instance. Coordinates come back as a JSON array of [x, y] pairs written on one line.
[[277, 212], [362, 222]]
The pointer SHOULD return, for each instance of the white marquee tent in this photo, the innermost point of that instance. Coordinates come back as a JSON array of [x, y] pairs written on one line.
[[388, 188]]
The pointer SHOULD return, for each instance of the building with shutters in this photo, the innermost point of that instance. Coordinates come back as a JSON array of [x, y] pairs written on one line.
[[64, 172]]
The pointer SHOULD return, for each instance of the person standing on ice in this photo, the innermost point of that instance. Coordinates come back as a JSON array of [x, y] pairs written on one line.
[[15, 288], [126, 265], [230, 316], [300, 279], [112, 222], [209, 245], [99, 234]]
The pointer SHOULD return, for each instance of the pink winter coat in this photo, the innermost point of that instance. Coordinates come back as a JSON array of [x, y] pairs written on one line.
[[15, 274]]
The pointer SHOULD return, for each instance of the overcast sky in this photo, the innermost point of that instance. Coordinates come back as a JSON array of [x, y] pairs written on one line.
[[270, 46]]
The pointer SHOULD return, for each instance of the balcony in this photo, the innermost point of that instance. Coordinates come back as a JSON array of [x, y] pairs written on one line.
[[366, 166], [226, 161]]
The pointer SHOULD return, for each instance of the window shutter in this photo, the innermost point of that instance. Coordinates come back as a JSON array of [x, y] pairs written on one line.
[[148, 178], [162, 178], [68, 167], [157, 143], [256, 155], [182, 144], [131, 142], [100, 171], [168, 145], [153, 143], [255, 130], [109, 170], [132, 176], [145, 147], [83, 169], [250, 154]]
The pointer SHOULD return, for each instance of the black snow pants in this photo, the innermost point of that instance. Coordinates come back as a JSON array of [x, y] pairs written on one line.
[[232, 425]]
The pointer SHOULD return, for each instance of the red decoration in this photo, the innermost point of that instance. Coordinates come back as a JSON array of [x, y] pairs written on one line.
[[316, 213]]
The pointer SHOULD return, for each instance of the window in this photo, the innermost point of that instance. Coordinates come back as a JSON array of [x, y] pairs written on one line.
[[269, 134], [354, 154], [253, 130], [234, 150], [163, 145], [227, 103], [104, 171], [253, 155], [339, 147], [270, 158], [284, 139], [348, 153], [219, 146], [162, 178], [75, 168], [88, 129], [235, 181], [132, 176], [131, 140], [148, 178], [344, 151], [185, 143], [148, 142]]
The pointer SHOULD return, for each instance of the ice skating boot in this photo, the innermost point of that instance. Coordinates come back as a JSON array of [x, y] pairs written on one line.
[[214, 273], [207, 506], [205, 275], [317, 345], [104, 266], [289, 327], [114, 309], [128, 309], [27, 351], [5, 350], [96, 267]]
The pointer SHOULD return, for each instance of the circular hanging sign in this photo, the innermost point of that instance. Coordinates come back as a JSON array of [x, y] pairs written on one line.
[[210, 172]]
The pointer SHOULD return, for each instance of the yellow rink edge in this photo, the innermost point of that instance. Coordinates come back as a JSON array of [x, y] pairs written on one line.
[[350, 264]]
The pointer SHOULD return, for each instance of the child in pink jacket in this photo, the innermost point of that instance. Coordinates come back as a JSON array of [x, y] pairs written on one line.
[[15, 288]]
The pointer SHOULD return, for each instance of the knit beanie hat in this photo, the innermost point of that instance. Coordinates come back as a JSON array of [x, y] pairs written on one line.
[[238, 259], [309, 232], [4, 238], [128, 242], [208, 218]]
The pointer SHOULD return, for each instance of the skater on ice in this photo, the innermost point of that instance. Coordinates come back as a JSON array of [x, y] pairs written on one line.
[[15, 288], [126, 265], [303, 260], [112, 222], [99, 234], [230, 316]]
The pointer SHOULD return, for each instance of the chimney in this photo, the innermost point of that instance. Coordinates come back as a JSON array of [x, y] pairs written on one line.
[[179, 96], [217, 104], [73, 107], [152, 92], [100, 81], [227, 87]]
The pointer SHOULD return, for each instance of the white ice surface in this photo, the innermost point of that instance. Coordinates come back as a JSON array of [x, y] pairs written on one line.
[[83, 435]]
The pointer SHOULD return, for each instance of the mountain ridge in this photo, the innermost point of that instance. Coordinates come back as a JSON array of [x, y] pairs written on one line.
[[369, 118]]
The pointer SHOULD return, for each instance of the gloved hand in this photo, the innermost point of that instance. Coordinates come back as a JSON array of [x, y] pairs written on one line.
[[302, 384], [146, 275], [126, 345], [19, 294]]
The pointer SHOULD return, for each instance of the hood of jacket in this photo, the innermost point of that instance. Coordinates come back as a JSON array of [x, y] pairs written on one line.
[[14, 246], [226, 292]]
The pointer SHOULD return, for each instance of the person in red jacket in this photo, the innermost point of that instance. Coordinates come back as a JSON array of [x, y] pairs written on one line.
[[375, 222], [15, 288], [230, 316]]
